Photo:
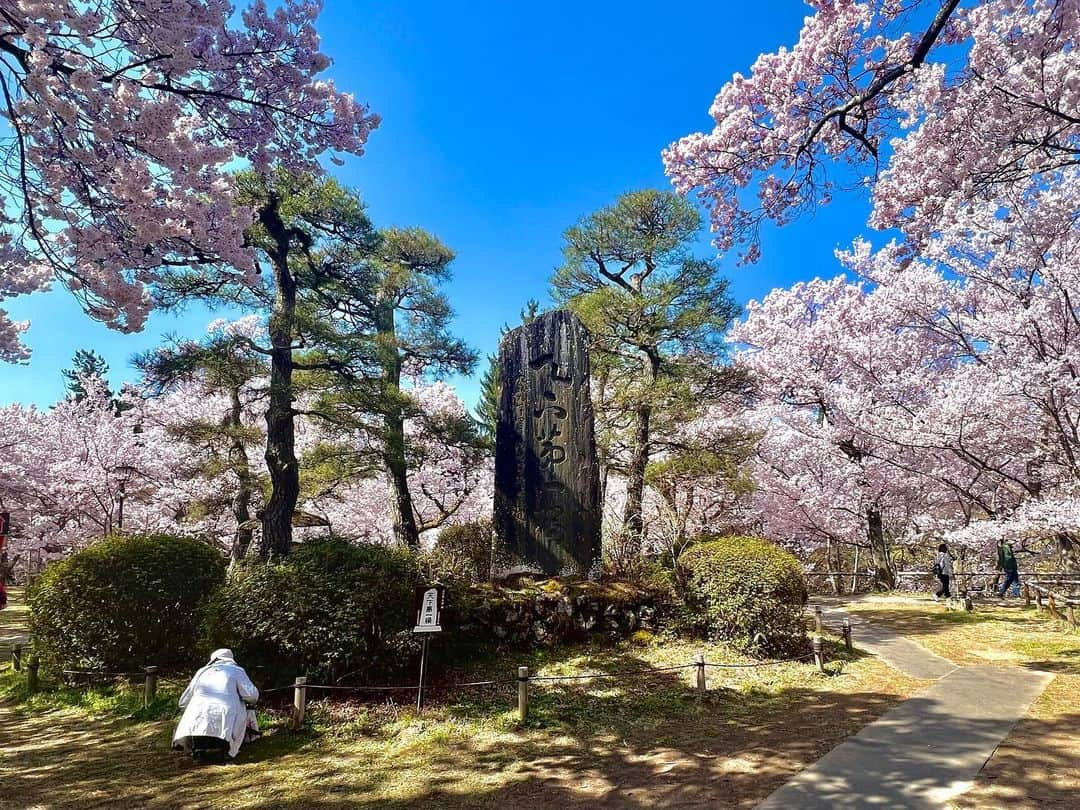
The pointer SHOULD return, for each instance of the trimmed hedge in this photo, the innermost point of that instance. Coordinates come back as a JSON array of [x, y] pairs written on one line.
[[125, 602], [746, 591], [330, 608]]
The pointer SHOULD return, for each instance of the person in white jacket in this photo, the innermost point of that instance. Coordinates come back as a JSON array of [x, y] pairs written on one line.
[[214, 705]]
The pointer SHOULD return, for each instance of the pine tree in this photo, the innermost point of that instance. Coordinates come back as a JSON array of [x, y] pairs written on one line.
[[86, 365], [487, 409]]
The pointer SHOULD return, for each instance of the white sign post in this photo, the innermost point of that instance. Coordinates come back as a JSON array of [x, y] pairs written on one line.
[[427, 617], [428, 603]]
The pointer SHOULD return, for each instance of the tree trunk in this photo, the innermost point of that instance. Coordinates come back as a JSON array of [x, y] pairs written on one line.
[[883, 573], [633, 517], [406, 531], [402, 516], [241, 503], [280, 428], [834, 574]]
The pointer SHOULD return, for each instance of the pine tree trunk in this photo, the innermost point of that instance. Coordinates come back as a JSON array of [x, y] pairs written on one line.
[[402, 516], [633, 519], [406, 531], [241, 503], [280, 427]]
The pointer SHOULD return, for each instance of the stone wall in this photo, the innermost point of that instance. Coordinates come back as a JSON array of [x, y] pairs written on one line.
[[551, 612]]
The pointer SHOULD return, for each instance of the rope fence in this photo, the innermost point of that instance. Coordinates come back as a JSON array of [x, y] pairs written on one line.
[[524, 677], [300, 686]]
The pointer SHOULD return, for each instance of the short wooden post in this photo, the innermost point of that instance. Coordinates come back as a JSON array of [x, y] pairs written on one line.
[[1038, 601], [32, 665], [968, 604], [847, 634], [299, 701], [1027, 595], [1070, 611], [817, 620], [819, 654], [16, 657], [523, 693], [699, 664], [150, 688], [1050, 603]]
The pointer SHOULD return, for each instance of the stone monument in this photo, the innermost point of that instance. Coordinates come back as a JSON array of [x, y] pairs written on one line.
[[547, 477]]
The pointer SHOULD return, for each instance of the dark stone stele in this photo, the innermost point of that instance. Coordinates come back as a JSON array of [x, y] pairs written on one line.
[[547, 477]]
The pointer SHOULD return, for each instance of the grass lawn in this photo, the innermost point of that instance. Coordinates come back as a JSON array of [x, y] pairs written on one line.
[[634, 742], [1038, 765]]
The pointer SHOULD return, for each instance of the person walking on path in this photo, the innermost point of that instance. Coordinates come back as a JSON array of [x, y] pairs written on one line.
[[1006, 563], [943, 571]]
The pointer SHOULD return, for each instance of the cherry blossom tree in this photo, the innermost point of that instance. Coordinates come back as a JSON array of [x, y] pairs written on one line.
[[947, 372], [122, 117], [931, 105], [450, 475], [80, 471]]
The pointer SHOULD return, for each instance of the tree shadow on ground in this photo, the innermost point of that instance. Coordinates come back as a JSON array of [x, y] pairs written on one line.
[[634, 742], [926, 621], [644, 740]]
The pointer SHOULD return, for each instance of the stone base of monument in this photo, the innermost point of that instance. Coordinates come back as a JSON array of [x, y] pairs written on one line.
[[523, 611]]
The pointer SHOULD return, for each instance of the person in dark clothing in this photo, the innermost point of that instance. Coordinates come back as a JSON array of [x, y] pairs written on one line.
[[1006, 563], [943, 571]]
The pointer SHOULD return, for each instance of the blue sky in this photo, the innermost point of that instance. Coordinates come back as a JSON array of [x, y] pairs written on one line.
[[503, 123]]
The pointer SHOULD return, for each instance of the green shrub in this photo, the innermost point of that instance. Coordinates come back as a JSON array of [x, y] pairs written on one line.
[[125, 602], [746, 591], [330, 608], [462, 553]]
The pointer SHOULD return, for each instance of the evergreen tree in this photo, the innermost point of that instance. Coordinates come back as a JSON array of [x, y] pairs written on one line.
[[487, 409], [86, 365], [224, 363], [657, 317]]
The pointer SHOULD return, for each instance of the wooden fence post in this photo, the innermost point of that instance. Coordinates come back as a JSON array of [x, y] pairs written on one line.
[[299, 701], [819, 654], [1052, 605], [1027, 595], [847, 634], [16, 657], [523, 693], [699, 664], [1070, 611], [32, 665], [817, 620], [150, 688], [1038, 601]]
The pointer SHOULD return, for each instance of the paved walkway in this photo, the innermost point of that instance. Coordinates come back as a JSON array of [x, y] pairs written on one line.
[[928, 749]]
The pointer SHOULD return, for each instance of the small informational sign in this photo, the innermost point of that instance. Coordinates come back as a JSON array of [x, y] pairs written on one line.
[[429, 604]]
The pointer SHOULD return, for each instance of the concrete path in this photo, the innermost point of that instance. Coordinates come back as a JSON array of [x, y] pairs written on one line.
[[928, 749], [895, 650]]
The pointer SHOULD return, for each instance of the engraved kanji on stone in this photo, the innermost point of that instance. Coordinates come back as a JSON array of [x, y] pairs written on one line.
[[547, 477]]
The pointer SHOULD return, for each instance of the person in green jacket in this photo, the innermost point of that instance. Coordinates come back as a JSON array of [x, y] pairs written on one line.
[[1006, 563]]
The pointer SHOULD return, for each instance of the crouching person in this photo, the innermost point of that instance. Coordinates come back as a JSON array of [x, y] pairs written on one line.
[[215, 718]]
